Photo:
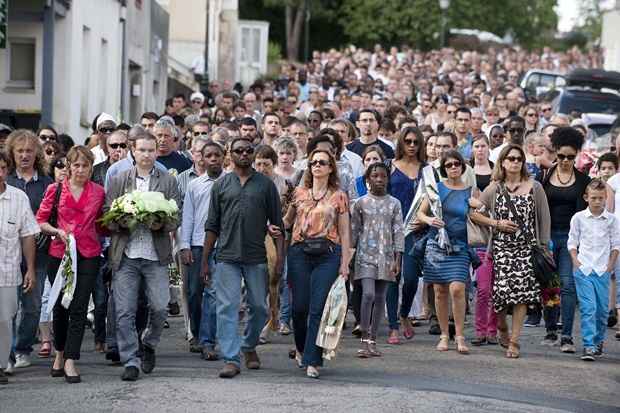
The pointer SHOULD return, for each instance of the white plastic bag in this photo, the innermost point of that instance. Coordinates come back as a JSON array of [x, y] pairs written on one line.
[[60, 282], [334, 313]]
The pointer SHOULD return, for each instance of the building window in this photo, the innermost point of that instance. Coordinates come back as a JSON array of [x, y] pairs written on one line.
[[22, 63], [103, 75]]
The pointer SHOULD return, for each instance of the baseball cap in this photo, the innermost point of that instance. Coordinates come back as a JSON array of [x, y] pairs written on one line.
[[104, 117], [197, 96]]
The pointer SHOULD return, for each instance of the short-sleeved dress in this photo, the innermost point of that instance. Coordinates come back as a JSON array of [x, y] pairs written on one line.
[[378, 232], [439, 266], [514, 282]]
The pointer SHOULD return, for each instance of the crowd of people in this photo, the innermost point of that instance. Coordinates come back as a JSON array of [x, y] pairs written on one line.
[[426, 180]]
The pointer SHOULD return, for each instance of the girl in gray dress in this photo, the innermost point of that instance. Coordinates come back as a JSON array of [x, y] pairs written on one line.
[[378, 233]]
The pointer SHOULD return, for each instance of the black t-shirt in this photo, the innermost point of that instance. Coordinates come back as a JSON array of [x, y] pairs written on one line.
[[358, 147], [175, 161]]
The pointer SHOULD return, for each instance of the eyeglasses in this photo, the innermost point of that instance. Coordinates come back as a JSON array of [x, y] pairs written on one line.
[[45, 137], [106, 131], [321, 162], [50, 152], [117, 145], [563, 157], [450, 165], [60, 165], [516, 131], [411, 142], [247, 150], [514, 159]]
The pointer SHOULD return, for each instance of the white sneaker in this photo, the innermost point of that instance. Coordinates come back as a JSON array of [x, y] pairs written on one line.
[[22, 360], [10, 368]]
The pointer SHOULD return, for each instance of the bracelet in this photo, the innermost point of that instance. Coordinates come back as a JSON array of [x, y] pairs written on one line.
[[482, 209]]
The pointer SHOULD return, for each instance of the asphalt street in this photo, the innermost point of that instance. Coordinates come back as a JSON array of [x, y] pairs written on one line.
[[412, 377]]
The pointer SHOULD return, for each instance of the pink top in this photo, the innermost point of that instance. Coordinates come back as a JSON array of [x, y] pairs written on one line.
[[77, 217]]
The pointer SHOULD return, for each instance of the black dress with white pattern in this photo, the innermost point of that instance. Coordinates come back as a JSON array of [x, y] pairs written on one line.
[[514, 281]]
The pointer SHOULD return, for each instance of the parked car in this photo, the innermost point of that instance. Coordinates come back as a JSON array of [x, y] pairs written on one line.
[[537, 82], [588, 91]]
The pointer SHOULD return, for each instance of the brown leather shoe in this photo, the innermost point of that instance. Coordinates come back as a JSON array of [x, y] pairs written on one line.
[[229, 371], [252, 361]]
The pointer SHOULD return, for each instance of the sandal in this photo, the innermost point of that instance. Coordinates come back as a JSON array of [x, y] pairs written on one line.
[[617, 335], [372, 349], [364, 352], [393, 338], [443, 343], [461, 347], [504, 337], [407, 328], [299, 360], [513, 350], [46, 349]]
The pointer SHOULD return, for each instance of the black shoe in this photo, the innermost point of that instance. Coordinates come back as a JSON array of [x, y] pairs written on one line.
[[194, 346], [131, 373], [478, 341], [532, 321], [3, 378], [598, 351], [434, 330], [356, 332], [113, 356], [174, 309], [148, 361], [588, 354], [57, 372], [73, 379], [612, 320]]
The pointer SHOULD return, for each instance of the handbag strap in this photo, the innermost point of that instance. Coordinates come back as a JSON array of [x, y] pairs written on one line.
[[517, 217], [53, 219]]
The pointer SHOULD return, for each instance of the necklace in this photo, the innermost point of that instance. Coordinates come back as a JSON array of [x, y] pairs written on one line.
[[322, 196], [557, 173], [513, 189]]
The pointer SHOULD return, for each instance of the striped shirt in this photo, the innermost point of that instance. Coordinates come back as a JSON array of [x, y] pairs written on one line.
[[184, 178], [16, 221], [140, 243]]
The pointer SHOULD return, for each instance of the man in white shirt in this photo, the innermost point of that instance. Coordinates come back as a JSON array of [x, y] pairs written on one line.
[[17, 230]]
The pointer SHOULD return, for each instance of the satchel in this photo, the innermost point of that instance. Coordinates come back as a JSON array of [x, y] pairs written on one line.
[[542, 260], [478, 236], [317, 246], [44, 240]]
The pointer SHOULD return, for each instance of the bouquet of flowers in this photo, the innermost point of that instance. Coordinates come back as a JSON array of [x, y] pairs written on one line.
[[147, 208], [66, 277]]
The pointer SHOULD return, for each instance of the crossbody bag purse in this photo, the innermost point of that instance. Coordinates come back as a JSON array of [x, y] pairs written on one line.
[[44, 240]]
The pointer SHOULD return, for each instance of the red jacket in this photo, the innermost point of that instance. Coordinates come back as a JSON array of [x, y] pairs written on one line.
[[77, 217]]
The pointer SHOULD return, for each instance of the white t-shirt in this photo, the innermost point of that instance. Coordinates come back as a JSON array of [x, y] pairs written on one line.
[[614, 183]]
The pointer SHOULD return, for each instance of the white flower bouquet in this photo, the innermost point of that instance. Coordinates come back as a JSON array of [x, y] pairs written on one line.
[[66, 277], [148, 208]]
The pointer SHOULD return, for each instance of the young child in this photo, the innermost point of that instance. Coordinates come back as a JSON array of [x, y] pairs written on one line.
[[378, 232], [594, 244], [607, 166]]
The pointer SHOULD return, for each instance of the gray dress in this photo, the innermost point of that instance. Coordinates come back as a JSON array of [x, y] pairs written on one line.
[[378, 232]]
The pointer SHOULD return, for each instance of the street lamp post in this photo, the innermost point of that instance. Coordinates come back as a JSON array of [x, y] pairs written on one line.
[[205, 73], [443, 5]]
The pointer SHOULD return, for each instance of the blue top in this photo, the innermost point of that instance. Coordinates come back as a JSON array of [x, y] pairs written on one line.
[[455, 207], [360, 186], [404, 188]]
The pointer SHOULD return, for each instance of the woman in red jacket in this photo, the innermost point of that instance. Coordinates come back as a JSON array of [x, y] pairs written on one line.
[[79, 207]]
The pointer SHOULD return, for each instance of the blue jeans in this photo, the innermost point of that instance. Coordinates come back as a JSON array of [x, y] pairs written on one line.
[[410, 272], [227, 284], [195, 285], [593, 293], [208, 318], [568, 295], [311, 279], [126, 285], [285, 297], [26, 322]]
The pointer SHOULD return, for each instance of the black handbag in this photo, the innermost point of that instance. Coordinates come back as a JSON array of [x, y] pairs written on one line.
[[44, 240], [542, 260], [317, 246]]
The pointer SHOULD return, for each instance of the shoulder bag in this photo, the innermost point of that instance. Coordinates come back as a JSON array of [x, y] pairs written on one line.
[[44, 240], [478, 236], [317, 246], [542, 260]]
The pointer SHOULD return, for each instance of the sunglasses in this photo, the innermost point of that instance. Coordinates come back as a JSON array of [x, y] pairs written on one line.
[[106, 131], [563, 157], [514, 159], [450, 165], [531, 115], [411, 142], [248, 150], [197, 101], [50, 152], [46, 138], [117, 145], [196, 134], [546, 109], [321, 162], [60, 165]]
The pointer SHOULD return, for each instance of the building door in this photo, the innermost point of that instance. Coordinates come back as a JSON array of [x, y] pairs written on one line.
[[253, 39]]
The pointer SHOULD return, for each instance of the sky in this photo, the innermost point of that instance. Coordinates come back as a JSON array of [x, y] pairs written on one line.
[[568, 11]]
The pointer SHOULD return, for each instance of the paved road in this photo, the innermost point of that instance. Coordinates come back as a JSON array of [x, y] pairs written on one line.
[[410, 377]]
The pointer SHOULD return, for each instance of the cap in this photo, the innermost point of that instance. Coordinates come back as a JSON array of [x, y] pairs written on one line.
[[104, 117], [5, 128], [197, 96]]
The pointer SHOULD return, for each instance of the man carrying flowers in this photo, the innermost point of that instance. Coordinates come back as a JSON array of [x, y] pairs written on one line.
[[141, 211]]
